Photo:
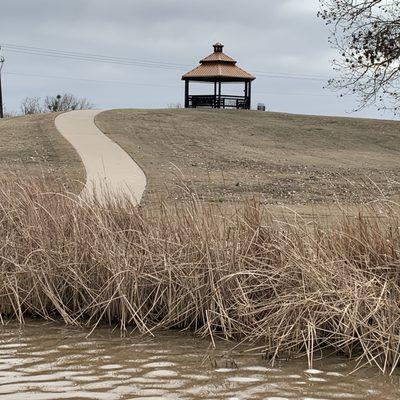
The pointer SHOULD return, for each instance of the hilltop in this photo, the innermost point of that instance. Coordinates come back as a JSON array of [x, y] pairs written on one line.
[[31, 146], [284, 159]]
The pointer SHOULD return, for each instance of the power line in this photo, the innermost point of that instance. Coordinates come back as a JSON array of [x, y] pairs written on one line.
[[97, 60], [84, 54], [320, 76], [289, 77], [296, 94], [90, 57], [143, 84]]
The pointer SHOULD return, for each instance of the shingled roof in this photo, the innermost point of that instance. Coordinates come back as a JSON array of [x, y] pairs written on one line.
[[218, 66]]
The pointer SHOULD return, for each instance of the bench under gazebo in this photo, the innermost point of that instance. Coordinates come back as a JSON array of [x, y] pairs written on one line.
[[218, 68]]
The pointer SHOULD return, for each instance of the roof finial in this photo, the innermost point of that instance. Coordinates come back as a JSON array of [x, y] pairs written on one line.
[[218, 47]]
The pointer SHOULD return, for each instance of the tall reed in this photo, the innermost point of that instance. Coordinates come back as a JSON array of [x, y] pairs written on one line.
[[289, 289]]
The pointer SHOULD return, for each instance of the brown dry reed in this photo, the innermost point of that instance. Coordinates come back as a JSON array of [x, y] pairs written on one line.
[[288, 288]]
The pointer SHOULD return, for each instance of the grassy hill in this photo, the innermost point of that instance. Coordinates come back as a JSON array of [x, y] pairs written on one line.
[[32, 147], [292, 160], [286, 159]]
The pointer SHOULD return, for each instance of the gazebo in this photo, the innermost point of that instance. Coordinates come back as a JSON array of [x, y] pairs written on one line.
[[218, 68]]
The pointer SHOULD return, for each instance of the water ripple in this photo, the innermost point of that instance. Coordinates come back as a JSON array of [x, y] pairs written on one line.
[[48, 361]]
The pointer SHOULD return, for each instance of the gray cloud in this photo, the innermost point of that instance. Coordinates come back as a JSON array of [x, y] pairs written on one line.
[[264, 35]]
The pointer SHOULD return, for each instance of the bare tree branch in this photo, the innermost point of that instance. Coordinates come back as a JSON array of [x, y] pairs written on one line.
[[65, 102], [31, 105], [367, 34]]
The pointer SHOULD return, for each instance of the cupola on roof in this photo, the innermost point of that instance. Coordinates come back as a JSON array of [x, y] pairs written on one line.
[[218, 66]]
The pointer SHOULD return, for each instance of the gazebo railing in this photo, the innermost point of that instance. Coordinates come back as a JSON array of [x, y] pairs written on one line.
[[225, 101]]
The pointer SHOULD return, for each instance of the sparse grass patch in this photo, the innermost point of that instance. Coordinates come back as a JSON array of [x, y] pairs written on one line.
[[31, 147], [302, 161]]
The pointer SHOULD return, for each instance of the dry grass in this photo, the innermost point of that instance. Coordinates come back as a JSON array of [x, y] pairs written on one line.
[[304, 162], [301, 161], [289, 289], [32, 147]]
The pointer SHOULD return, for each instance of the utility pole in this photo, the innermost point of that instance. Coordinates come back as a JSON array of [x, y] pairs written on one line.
[[2, 59]]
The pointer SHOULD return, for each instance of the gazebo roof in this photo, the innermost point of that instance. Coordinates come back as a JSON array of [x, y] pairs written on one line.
[[218, 66], [218, 56]]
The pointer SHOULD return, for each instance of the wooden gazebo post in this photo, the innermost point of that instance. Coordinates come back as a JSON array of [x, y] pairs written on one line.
[[187, 91], [218, 68]]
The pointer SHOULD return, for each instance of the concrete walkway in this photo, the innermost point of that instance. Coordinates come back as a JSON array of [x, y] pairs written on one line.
[[109, 169]]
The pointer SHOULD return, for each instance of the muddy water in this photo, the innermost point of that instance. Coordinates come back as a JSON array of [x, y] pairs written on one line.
[[50, 361]]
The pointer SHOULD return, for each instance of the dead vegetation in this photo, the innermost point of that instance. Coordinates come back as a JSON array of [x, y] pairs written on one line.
[[289, 289], [32, 147], [298, 160]]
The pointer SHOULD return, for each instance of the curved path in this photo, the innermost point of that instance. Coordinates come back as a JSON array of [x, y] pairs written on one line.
[[109, 169]]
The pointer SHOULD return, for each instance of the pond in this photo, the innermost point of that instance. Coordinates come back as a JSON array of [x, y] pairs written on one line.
[[41, 360]]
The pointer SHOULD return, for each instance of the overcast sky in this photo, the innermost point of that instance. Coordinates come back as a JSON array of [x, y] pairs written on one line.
[[273, 39]]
